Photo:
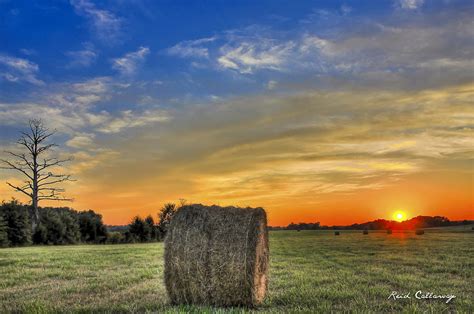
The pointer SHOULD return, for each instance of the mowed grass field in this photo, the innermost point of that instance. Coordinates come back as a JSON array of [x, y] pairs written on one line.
[[310, 271]]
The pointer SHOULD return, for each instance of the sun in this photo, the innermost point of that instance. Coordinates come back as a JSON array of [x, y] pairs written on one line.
[[399, 215]]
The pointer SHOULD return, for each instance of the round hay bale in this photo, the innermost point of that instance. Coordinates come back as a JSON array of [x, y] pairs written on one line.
[[217, 256], [336, 233], [389, 231], [420, 232], [365, 232]]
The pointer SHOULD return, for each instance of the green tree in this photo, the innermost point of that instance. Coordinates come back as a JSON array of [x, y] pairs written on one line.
[[152, 229], [139, 229], [3, 232], [16, 216], [41, 235], [91, 227], [165, 215]]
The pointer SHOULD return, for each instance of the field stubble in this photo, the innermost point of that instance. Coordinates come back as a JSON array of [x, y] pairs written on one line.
[[310, 271]]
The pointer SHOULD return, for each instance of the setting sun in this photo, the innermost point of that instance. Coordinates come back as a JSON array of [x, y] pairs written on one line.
[[399, 216]]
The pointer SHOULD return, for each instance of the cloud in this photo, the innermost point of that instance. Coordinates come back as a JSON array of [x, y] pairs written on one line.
[[105, 25], [81, 140], [128, 64], [249, 56], [191, 48], [28, 52], [83, 58], [73, 109], [351, 49], [19, 70], [251, 149], [345, 9], [272, 84], [410, 4], [129, 119]]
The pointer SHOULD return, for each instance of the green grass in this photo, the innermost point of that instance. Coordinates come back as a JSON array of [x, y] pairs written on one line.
[[311, 271]]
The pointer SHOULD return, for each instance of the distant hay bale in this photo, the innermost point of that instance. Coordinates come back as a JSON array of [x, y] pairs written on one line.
[[337, 233], [389, 231], [420, 232], [365, 232], [217, 256]]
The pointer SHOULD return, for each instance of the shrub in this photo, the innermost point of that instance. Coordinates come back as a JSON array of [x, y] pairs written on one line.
[[91, 227], [165, 216], [115, 237], [3, 232], [16, 217]]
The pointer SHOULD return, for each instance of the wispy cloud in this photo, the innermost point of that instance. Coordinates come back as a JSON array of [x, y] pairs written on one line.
[[15, 69], [410, 4], [128, 64], [248, 56], [129, 119], [275, 149], [105, 24], [365, 51], [84, 57], [191, 48], [81, 140]]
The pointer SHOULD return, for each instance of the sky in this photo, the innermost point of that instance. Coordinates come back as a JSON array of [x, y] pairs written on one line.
[[330, 111]]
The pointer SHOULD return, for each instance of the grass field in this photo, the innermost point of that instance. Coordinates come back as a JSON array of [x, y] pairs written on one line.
[[311, 271]]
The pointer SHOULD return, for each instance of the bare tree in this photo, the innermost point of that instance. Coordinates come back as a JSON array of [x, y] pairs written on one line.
[[36, 166]]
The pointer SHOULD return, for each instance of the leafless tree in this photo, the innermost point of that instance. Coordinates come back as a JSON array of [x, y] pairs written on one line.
[[36, 166]]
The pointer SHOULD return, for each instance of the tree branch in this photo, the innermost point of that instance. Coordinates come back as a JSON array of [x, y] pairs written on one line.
[[22, 157], [52, 162], [19, 189], [11, 166], [62, 178], [45, 148], [56, 199]]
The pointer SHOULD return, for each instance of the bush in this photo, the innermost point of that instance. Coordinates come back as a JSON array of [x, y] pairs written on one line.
[[165, 215], [91, 227], [3, 232], [115, 237], [57, 226], [16, 218]]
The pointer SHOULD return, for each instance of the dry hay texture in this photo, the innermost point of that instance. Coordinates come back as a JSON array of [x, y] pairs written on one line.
[[217, 256]]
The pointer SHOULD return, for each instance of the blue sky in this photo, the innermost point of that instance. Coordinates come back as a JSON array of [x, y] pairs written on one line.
[[147, 90]]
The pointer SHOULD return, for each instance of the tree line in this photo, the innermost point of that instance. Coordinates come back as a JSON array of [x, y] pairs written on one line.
[[382, 224], [63, 225]]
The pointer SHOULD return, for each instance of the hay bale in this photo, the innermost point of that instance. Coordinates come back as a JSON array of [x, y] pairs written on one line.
[[389, 231], [365, 232], [420, 232], [336, 233], [217, 256]]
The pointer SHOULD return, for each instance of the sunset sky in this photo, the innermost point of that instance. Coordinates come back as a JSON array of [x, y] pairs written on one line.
[[330, 111]]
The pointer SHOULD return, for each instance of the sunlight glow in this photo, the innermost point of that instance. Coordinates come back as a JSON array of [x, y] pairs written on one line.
[[399, 216]]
